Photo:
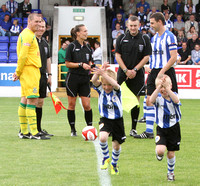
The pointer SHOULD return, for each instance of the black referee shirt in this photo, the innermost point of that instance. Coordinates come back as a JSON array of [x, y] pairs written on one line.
[[44, 54], [76, 53], [133, 48]]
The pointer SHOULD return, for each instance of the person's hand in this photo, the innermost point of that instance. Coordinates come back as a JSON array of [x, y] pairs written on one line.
[[105, 65], [15, 77], [130, 74], [86, 66], [49, 80]]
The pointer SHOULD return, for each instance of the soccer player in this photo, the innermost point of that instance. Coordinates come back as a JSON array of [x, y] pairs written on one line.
[[28, 73], [44, 70], [168, 115], [110, 108], [132, 53], [164, 55]]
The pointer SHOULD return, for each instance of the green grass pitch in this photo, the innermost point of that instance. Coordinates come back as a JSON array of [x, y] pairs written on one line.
[[66, 160]]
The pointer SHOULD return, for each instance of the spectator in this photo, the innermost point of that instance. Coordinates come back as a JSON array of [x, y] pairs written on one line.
[[118, 20], [12, 7], [97, 54], [130, 7], [196, 55], [75, 2], [116, 31], [168, 24], [145, 5], [153, 10], [198, 11], [118, 6], [179, 25], [6, 25], [165, 7], [181, 38], [114, 40], [188, 5], [141, 15], [191, 32], [185, 54], [177, 9], [2, 32], [192, 42], [3, 12], [15, 28], [188, 14], [25, 8], [61, 60], [190, 23]]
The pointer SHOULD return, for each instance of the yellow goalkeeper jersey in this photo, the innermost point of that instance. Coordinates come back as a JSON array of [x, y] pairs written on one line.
[[27, 51]]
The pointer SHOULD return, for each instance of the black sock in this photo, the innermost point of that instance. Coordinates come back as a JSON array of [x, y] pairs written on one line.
[[134, 115], [88, 117], [71, 119], [39, 118]]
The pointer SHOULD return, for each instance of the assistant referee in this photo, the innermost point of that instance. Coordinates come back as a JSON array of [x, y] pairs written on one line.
[[78, 60], [132, 53]]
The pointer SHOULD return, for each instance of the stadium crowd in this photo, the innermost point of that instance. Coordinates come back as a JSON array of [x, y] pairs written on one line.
[[180, 18]]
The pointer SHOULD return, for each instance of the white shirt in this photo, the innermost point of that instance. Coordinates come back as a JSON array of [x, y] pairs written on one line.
[[97, 54]]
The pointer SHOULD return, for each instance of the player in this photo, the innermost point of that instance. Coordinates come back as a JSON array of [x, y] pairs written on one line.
[[168, 115], [110, 108], [28, 73], [164, 55], [44, 70]]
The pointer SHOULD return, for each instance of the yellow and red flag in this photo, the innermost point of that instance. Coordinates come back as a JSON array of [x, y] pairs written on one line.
[[56, 103]]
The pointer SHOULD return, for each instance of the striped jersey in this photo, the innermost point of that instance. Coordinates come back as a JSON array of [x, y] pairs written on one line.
[[161, 47], [168, 113], [110, 105]]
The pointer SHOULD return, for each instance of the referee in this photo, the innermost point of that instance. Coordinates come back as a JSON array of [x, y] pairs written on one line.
[[78, 60], [46, 68], [132, 53]]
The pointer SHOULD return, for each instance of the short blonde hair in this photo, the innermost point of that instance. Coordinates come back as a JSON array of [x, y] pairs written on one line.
[[167, 79], [111, 74]]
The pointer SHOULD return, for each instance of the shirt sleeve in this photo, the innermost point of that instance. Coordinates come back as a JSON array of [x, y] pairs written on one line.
[[172, 42], [69, 52], [118, 44], [147, 49]]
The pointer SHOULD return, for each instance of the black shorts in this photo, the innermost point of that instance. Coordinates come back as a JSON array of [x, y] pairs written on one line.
[[170, 137], [77, 85], [152, 77], [136, 85], [114, 126], [43, 86]]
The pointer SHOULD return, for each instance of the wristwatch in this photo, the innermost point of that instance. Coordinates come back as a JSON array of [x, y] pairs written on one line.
[[125, 70], [135, 69], [80, 65], [49, 74]]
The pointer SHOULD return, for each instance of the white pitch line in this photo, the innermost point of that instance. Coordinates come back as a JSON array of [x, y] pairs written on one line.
[[104, 177]]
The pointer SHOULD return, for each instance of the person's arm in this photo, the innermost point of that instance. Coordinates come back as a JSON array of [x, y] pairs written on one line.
[[95, 80], [49, 71], [154, 95]]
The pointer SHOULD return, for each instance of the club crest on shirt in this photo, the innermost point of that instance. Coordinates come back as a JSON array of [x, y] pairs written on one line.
[[157, 139], [114, 98], [35, 90]]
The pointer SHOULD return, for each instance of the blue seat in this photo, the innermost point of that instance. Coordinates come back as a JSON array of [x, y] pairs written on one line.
[[4, 39], [37, 11], [4, 47], [12, 58], [13, 49], [3, 57], [13, 39], [25, 20]]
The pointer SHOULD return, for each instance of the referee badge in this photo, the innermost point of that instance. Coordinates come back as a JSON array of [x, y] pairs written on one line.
[[141, 48], [157, 139], [35, 90], [114, 98]]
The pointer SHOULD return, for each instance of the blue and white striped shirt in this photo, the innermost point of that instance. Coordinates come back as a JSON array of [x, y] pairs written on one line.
[[168, 113], [110, 105], [161, 47]]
